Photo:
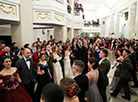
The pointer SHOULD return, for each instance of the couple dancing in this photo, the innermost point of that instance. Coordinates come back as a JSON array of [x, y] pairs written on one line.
[[58, 74]]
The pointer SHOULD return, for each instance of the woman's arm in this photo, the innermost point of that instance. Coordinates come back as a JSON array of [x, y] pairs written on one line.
[[49, 73], [38, 68], [18, 78]]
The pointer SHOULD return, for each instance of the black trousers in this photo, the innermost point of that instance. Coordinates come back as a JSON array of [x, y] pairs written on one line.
[[102, 90], [133, 73], [30, 89], [123, 83]]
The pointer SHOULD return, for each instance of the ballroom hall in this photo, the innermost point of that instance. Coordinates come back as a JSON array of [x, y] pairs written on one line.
[[68, 50]]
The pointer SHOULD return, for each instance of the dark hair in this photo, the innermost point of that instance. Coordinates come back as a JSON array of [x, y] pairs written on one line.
[[53, 93], [4, 57], [26, 45], [94, 62], [105, 51], [132, 47], [127, 51], [70, 87], [41, 54], [2, 61], [80, 64], [127, 45]]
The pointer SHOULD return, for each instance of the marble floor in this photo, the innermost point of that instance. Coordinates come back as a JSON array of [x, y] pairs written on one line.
[[110, 76]]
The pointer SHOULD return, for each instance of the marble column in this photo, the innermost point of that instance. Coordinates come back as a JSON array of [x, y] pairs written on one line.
[[70, 33], [131, 21], [22, 33], [76, 32], [60, 33], [136, 24], [117, 22]]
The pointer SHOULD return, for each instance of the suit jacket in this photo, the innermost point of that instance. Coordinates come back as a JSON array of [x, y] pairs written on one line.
[[82, 81], [84, 54], [127, 68], [78, 51], [49, 61], [25, 74], [103, 69], [133, 59]]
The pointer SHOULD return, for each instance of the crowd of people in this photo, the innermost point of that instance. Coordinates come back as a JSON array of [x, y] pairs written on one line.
[[74, 71]]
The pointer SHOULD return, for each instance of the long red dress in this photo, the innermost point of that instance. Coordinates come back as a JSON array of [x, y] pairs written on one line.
[[12, 91]]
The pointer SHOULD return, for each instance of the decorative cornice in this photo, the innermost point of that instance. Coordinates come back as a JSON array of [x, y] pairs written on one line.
[[59, 17], [7, 8], [43, 15]]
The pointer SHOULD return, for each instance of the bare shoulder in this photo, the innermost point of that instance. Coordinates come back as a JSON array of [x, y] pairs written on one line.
[[1, 72], [14, 68]]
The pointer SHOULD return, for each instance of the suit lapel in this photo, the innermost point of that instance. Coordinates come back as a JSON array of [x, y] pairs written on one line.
[[26, 63]]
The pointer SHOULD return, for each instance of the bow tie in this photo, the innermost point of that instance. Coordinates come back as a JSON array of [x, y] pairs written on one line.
[[28, 60]]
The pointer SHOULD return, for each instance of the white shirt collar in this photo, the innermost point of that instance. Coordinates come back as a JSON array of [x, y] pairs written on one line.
[[24, 58], [102, 60]]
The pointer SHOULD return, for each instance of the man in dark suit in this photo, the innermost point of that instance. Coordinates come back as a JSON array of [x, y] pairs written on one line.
[[61, 54], [25, 67], [81, 80], [49, 59], [78, 46], [104, 67], [84, 56], [124, 77], [133, 58]]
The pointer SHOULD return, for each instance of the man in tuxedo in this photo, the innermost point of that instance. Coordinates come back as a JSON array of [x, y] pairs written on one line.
[[25, 67], [104, 67], [61, 54], [81, 79], [84, 56], [78, 46], [49, 59], [7, 51], [133, 58], [125, 76]]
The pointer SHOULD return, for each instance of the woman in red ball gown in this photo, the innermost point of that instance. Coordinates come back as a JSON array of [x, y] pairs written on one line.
[[10, 89]]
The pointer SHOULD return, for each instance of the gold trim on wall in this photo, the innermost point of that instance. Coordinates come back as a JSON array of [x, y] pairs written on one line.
[[11, 9], [77, 25], [59, 17], [43, 15]]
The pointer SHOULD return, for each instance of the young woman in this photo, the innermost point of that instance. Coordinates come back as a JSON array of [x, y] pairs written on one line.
[[56, 65], [71, 90], [44, 76], [67, 63], [10, 88], [93, 94]]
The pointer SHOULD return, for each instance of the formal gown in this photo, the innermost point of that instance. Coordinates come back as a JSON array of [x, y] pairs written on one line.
[[58, 75], [67, 67], [12, 91], [93, 94], [42, 81]]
